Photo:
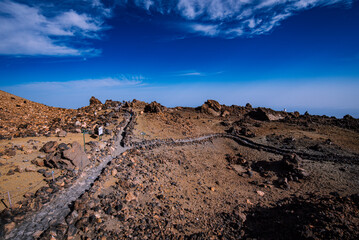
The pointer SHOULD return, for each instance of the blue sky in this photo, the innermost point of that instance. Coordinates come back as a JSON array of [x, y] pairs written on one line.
[[294, 54]]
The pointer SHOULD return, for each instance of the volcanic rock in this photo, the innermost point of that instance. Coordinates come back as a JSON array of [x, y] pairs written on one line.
[[76, 155], [264, 114], [49, 147], [94, 101], [62, 133], [225, 113], [154, 107], [211, 107], [214, 105]]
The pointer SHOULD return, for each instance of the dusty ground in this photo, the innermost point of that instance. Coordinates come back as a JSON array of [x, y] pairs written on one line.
[[344, 138], [215, 189], [176, 124], [194, 191]]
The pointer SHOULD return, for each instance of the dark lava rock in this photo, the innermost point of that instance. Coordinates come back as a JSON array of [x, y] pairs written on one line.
[[94, 101], [154, 107], [49, 147], [264, 114], [63, 146]]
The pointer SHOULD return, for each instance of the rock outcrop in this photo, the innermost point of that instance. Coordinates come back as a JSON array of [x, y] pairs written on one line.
[[94, 101], [264, 114], [65, 156], [211, 107], [154, 107]]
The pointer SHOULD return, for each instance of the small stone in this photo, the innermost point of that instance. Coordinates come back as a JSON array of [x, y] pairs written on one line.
[[9, 227], [114, 172], [62, 133], [130, 196], [260, 193], [47, 174], [63, 146], [249, 202], [19, 170], [30, 169], [37, 234], [38, 162]]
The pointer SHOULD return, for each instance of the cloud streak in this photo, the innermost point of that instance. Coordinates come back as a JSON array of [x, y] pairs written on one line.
[[234, 18], [65, 28], [46, 30]]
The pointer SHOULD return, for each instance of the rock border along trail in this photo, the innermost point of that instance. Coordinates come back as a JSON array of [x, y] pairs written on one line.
[[248, 143], [58, 208]]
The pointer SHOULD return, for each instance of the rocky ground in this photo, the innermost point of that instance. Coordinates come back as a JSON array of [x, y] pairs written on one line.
[[214, 172]]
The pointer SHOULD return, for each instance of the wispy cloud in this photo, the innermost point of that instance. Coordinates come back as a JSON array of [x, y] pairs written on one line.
[[63, 28], [190, 74], [109, 82], [196, 73], [204, 29], [47, 30], [229, 18]]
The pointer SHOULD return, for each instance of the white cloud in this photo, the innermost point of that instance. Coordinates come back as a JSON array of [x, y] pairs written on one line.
[[86, 83], [233, 18], [190, 74], [28, 30], [205, 29], [46, 27]]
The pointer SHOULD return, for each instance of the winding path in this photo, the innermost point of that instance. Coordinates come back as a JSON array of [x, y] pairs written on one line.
[[58, 208]]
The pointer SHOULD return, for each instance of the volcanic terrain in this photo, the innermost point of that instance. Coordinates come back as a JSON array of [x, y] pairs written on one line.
[[212, 172]]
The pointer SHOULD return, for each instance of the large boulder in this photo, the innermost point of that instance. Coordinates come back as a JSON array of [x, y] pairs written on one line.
[[154, 107], [76, 155], [264, 114], [211, 107], [65, 156], [94, 101]]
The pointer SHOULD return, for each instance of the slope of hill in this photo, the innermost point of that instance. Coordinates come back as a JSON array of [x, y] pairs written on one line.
[[21, 117]]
